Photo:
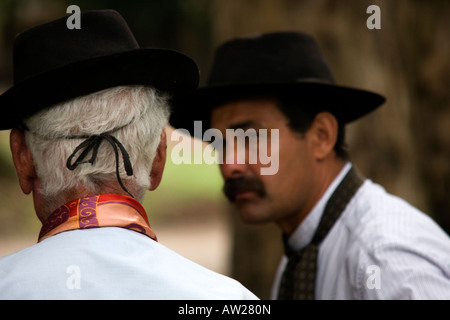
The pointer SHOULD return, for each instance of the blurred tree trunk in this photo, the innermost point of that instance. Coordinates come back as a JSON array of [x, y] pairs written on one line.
[[256, 253], [404, 145]]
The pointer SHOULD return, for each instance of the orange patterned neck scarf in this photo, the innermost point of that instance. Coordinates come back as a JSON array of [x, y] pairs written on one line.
[[106, 210]]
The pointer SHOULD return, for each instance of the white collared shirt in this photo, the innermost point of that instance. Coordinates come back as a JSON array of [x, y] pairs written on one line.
[[380, 248], [110, 263]]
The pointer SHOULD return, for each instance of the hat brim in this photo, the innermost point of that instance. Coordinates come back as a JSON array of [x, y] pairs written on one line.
[[346, 103], [166, 70]]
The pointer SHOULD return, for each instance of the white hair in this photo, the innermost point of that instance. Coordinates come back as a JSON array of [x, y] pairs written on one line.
[[134, 115]]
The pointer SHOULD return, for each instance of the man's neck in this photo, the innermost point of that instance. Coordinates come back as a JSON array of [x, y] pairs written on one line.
[[325, 176]]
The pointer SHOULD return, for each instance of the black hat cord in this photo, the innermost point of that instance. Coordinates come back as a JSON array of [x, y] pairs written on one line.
[[92, 143]]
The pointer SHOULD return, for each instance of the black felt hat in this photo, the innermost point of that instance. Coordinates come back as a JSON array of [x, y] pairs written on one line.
[[53, 63], [287, 63]]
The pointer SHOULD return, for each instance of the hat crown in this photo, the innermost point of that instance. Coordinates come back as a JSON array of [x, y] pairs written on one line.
[[53, 45], [53, 63], [279, 57]]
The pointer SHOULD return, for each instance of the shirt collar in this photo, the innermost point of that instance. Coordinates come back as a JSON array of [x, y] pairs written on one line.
[[305, 231]]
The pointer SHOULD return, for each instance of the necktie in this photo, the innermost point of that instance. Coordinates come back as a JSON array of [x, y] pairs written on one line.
[[299, 277]]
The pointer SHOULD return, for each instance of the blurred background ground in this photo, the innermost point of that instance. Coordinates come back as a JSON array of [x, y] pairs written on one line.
[[404, 145]]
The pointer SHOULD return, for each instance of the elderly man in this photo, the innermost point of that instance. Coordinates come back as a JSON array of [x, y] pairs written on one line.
[[345, 237], [87, 112]]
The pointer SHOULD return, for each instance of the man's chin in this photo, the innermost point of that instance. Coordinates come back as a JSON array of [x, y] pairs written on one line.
[[251, 212]]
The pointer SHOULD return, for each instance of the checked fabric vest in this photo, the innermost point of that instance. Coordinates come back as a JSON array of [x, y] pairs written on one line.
[[299, 277]]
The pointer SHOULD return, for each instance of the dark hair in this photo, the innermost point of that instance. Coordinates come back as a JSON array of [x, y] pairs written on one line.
[[301, 119]]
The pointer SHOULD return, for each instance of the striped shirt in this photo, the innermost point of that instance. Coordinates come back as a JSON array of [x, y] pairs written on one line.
[[380, 248]]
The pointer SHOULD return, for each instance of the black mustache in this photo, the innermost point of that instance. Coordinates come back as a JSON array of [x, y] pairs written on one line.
[[233, 186]]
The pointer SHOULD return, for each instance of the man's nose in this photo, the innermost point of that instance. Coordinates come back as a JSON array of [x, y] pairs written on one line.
[[233, 170], [234, 163]]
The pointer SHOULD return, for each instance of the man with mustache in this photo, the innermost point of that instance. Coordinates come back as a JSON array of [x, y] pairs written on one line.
[[345, 237]]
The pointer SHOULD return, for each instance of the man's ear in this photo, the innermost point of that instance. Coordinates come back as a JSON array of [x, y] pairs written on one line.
[[23, 160], [324, 131], [159, 162]]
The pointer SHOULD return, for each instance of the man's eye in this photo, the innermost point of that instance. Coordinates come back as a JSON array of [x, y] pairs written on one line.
[[218, 143]]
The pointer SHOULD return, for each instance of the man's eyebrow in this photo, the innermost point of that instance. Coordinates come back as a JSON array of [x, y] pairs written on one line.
[[245, 124]]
